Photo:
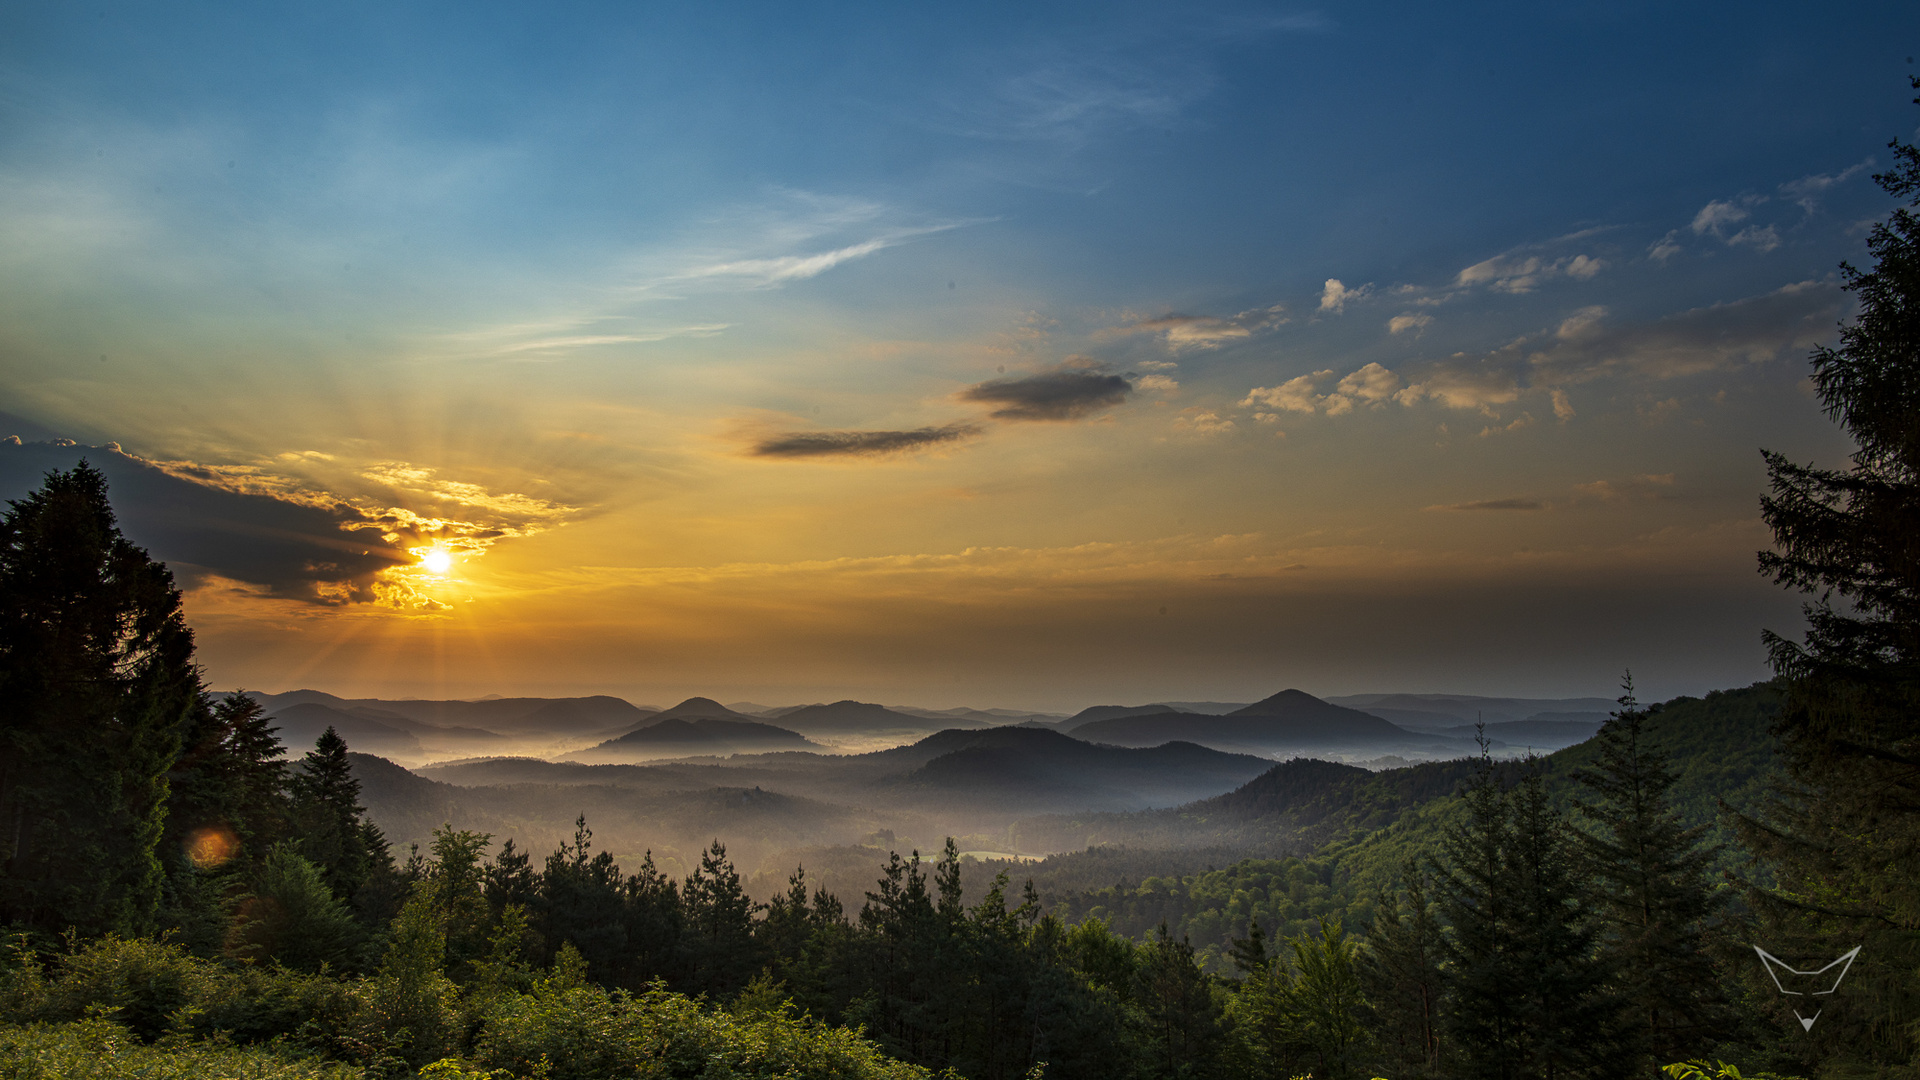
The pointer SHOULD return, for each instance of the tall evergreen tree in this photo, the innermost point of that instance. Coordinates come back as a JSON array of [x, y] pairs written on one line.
[[227, 796], [1844, 835], [98, 682], [719, 925], [1400, 972], [1181, 1015], [1528, 995], [1655, 902], [335, 834]]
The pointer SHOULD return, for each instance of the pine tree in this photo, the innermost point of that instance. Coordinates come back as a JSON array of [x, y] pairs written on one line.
[[1655, 902], [332, 827], [1564, 1010], [1400, 973], [97, 676], [719, 925], [1528, 995], [1474, 895], [1843, 837], [1182, 1017]]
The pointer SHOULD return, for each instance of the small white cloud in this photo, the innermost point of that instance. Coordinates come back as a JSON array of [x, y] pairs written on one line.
[[1759, 239], [1266, 418], [1371, 384], [1335, 295], [1158, 384], [1400, 324], [1716, 216], [1514, 273], [1562, 408], [1581, 324], [1807, 190], [1584, 267], [1665, 248], [1156, 365], [1297, 394], [1204, 423]]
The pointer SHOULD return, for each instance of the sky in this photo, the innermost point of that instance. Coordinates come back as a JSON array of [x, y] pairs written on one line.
[[1019, 355]]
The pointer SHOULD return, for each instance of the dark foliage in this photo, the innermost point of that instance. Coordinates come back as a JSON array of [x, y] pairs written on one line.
[[1843, 835], [96, 669]]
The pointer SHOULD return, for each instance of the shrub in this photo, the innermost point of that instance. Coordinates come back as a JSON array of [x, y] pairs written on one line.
[[586, 1033], [98, 1049]]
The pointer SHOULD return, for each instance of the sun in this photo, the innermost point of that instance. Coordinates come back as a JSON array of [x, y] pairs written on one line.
[[437, 560]]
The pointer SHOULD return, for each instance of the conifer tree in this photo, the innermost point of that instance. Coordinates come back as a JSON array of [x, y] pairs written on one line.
[[1653, 897], [97, 676], [1182, 1018], [1528, 994], [1473, 893], [1843, 837], [719, 925], [580, 903], [333, 830], [1400, 972]]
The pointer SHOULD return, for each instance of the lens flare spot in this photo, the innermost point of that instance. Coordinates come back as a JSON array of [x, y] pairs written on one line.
[[212, 846]]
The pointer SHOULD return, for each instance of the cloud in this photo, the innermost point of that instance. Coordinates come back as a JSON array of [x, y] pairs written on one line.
[[1203, 423], [1644, 486], [1334, 296], [793, 267], [1495, 504], [1716, 216], [1297, 394], [1664, 248], [818, 444], [1514, 272], [1207, 331], [1562, 408], [1581, 324], [1369, 385], [1807, 190], [1159, 384], [1067, 392], [1721, 337], [1400, 324], [294, 548], [1757, 238]]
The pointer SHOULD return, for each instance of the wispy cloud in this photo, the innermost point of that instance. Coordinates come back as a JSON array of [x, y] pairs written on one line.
[[1067, 392], [1584, 346], [856, 444], [1204, 331], [1522, 504], [1807, 190]]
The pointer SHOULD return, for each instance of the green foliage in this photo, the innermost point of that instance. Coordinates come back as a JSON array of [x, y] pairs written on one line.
[[99, 1049], [292, 918], [96, 669], [335, 834], [587, 1033], [1843, 835], [1649, 887], [1702, 1069]]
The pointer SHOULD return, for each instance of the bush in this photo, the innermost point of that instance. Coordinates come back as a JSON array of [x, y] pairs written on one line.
[[97, 1049], [586, 1033]]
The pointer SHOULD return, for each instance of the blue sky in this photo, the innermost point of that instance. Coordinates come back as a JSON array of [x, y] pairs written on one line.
[[1400, 310]]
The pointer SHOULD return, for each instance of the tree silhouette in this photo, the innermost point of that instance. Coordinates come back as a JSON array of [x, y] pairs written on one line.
[[96, 670]]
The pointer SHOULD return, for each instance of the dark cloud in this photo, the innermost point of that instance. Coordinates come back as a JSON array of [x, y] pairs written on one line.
[[1065, 393], [1495, 504], [807, 444], [293, 549]]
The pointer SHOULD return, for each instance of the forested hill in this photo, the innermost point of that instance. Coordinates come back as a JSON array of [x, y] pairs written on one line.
[[1324, 837]]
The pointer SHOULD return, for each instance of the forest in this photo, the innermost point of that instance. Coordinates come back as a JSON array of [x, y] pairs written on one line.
[[182, 895]]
